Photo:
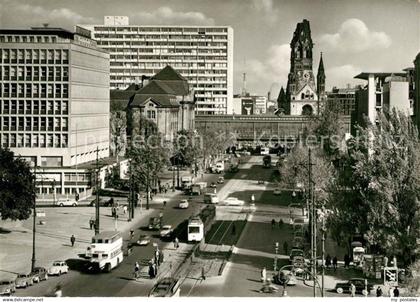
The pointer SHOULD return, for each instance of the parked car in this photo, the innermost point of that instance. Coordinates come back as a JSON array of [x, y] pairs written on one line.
[[183, 204], [24, 280], [66, 203], [296, 252], [233, 201], [221, 180], [285, 276], [166, 287], [213, 185], [342, 287], [143, 240], [166, 231], [58, 267], [7, 287], [277, 191], [39, 274]]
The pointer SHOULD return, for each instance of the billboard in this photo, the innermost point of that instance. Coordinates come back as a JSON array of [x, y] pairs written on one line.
[[247, 107]]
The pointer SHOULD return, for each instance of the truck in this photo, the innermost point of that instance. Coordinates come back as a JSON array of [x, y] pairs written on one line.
[[267, 161], [202, 184], [155, 223], [186, 182], [195, 189]]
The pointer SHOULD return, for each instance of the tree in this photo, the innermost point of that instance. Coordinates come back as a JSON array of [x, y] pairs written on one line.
[[148, 156], [118, 125], [413, 280], [187, 147], [377, 194], [17, 187]]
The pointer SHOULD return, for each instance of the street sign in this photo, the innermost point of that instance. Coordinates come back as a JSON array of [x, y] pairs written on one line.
[[391, 276]]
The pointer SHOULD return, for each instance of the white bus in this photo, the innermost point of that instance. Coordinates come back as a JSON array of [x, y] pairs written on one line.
[[195, 229], [106, 250]]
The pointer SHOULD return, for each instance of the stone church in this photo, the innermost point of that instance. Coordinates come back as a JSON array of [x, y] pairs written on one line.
[[302, 96]]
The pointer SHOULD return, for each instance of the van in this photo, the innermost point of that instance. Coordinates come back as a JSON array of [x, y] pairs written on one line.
[[211, 198]]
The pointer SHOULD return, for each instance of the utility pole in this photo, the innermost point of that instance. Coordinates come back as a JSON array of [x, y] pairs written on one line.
[[34, 224], [313, 219], [130, 195], [323, 251], [97, 193]]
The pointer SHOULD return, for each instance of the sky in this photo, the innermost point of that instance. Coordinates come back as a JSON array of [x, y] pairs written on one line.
[[353, 35]]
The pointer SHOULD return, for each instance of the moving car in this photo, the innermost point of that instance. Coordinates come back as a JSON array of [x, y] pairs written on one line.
[[342, 287], [166, 231], [296, 252], [183, 204], [277, 191], [154, 223], [285, 276], [221, 180], [233, 201], [166, 287], [58, 267], [66, 203], [210, 198], [39, 274], [24, 280], [103, 203], [7, 287], [213, 185], [143, 240]]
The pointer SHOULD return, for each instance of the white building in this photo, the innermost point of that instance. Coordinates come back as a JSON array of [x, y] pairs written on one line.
[[202, 54]]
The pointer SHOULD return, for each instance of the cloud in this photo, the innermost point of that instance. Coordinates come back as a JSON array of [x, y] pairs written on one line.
[[27, 15], [267, 8], [340, 76], [354, 36], [272, 72], [167, 16]]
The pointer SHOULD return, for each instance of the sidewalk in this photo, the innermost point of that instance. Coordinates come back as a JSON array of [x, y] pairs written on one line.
[[53, 238]]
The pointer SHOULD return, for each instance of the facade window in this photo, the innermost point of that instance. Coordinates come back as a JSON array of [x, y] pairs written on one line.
[[5, 123], [28, 90], [19, 140], [57, 73], [35, 140], [151, 114], [50, 142], [43, 124], [65, 91], [36, 107], [28, 73], [12, 140], [21, 107], [65, 107], [57, 141], [64, 124], [35, 124], [5, 140], [64, 141], [57, 107], [43, 107], [28, 123], [51, 161], [57, 124], [42, 140]]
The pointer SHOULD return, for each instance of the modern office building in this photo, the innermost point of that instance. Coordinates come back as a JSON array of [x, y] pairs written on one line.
[[342, 98], [384, 91], [202, 54], [54, 102]]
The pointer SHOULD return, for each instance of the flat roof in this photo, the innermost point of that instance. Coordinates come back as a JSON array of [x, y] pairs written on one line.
[[44, 31], [365, 75]]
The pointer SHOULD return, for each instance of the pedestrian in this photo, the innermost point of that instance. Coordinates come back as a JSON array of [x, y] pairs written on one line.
[[72, 240], [396, 292], [335, 262], [285, 247], [273, 223], [328, 261], [353, 290], [131, 233], [125, 210], [203, 275], [161, 257], [280, 223], [378, 291], [136, 270], [391, 292], [151, 271], [157, 258], [176, 242], [155, 269], [58, 292], [164, 204], [233, 229], [346, 261], [91, 223], [263, 275]]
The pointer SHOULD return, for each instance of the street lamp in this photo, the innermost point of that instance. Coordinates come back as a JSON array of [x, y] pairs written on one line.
[[34, 222]]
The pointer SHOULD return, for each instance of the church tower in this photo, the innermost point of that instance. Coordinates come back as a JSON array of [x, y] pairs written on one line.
[[320, 84], [301, 92]]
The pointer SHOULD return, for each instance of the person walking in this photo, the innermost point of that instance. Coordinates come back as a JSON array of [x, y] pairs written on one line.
[[155, 269], [176, 242], [335, 262], [263, 275], [328, 261], [136, 270], [72, 240], [203, 274], [91, 223], [273, 223], [151, 271], [391, 292], [352, 290], [396, 292], [378, 291], [346, 261], [131, 234], [161, 257]]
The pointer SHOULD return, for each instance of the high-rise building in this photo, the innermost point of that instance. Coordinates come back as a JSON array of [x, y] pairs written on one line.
[[302, 96], [202, 54], [384, 91], [54, 98], [344, 99]]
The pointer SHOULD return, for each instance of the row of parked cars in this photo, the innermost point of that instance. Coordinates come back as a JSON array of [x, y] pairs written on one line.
[[9, 286]]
